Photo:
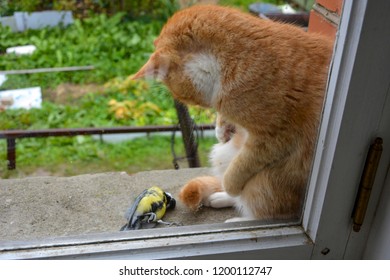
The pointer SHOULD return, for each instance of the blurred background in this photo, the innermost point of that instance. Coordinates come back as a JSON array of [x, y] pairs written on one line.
[[65, 64]]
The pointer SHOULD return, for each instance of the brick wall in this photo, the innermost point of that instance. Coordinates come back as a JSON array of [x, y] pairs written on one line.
[[325, 17]]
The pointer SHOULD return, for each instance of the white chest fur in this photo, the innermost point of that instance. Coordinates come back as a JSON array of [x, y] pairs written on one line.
[[205, 73]]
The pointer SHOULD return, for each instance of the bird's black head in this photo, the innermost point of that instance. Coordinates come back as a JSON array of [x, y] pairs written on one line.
[[171, 202]]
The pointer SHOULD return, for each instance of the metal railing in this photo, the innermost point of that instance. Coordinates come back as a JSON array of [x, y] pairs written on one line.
[[188, 137]]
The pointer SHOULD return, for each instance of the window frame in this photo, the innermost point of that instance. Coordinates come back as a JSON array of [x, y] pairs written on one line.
[[303, 239], [359, 90]]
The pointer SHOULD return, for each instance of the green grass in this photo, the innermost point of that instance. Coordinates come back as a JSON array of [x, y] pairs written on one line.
[[117, 47], [67, 156], [244, 4]]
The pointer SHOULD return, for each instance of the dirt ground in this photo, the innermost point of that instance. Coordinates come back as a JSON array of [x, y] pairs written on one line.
[[68, 93], [40, 207]]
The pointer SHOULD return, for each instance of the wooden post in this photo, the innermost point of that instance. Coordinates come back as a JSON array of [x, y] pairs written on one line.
[[11, 153], [187, 127]]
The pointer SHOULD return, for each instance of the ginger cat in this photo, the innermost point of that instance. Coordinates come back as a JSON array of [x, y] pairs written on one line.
[[267, 80]]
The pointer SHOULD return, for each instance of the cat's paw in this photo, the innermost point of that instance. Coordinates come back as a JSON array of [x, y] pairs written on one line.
[[225, 132], [219, 200]]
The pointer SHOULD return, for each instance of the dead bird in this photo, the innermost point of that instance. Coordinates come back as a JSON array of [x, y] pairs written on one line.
[[149, 208]]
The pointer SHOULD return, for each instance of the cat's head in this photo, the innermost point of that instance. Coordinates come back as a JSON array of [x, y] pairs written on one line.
[[186, 66]]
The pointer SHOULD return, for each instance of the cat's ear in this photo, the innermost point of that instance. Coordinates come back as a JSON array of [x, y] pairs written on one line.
[[157, 67]]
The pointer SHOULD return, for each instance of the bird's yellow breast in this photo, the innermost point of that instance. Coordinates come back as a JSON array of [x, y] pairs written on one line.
[[153, 201]]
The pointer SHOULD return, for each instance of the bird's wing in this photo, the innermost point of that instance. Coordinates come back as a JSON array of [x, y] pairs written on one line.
[[131, 211]]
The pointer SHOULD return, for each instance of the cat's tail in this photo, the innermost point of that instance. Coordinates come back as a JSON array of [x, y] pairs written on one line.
[[194, 194]]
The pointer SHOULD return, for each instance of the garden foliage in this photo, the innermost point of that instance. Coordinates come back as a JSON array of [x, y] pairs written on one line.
[[116, 47]]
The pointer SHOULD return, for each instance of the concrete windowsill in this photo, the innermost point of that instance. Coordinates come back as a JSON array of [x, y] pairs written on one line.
[[41, 207]]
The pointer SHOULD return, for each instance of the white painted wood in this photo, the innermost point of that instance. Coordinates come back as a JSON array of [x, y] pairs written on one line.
[[245, 242], [379, 232], [376, 226], [378, 245], [330, 126], [358, 88]]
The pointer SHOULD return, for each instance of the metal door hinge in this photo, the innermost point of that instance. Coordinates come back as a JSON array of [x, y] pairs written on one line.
[[366, 183]]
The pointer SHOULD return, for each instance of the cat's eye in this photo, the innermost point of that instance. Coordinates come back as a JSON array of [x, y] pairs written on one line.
[[355, 112]]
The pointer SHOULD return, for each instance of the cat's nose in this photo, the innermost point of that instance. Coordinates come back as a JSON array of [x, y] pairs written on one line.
[[139, 75], [145, 72]]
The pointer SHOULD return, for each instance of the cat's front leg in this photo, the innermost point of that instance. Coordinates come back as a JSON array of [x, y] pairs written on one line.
[[234, 179], [252, 158]]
